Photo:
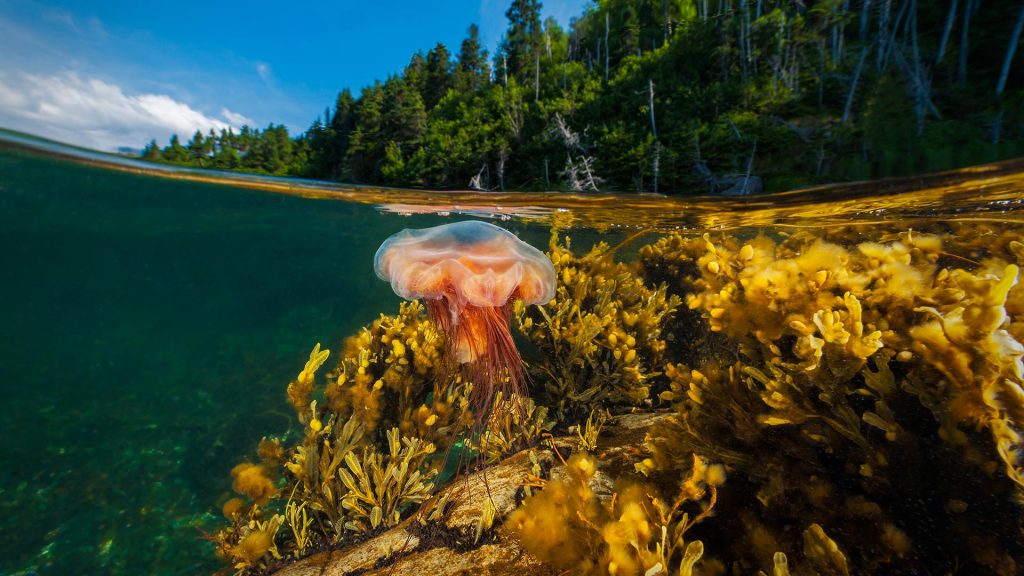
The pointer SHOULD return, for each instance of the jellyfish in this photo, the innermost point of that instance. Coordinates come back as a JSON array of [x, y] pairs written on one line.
[[468, 275]]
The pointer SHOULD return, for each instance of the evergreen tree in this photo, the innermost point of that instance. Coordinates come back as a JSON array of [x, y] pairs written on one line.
[[415, 72], [437, 76], [523, 39], [343, 123], [366, 147], [471, 71], [227, 158], [152, 152], [197, 148], [271, 151], [175, 152]]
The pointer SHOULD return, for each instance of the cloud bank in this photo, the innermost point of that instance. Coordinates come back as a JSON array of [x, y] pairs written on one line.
[[97, 114]]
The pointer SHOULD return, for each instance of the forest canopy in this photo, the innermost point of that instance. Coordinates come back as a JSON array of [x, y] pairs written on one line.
[[673, 96]]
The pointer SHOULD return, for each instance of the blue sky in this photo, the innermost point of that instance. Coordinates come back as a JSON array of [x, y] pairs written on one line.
[[119, 73]]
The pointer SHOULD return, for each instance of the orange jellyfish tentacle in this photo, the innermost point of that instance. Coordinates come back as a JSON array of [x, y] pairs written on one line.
[[501, 367]]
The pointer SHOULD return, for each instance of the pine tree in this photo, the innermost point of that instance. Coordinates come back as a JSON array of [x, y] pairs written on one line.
[[437, 75], [523, 41], [152, 152], [175, 152], [471, 71], [197, 148]]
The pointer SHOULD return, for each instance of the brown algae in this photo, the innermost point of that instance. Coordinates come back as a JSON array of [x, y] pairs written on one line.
[[830, 402]]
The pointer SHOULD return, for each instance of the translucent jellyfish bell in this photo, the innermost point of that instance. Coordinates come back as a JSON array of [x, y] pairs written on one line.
[[470, 262], [468, 275]]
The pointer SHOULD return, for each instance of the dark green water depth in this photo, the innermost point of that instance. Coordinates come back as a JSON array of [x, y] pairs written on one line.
[[149, 328]]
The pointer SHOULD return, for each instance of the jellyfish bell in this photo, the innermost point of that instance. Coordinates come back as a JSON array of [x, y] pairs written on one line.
[[469, 274]]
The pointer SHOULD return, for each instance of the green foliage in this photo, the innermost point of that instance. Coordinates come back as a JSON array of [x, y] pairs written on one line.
[[471, 71], [794, 92], [523, 41]]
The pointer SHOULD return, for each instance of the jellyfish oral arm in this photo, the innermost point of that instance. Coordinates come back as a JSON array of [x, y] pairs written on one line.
[[471, 329]]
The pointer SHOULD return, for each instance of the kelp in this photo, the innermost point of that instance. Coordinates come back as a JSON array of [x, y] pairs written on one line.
[[634, 532], [513, 425], [391, 373], [866, 374], [864, 397], [346, 475], [600, 338]]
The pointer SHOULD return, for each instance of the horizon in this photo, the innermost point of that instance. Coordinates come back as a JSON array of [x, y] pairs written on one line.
[[114, 77]]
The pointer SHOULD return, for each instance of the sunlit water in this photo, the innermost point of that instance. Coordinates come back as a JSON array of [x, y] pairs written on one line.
[[151, 319]]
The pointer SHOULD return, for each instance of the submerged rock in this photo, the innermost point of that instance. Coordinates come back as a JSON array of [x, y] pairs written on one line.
[[449, 545]]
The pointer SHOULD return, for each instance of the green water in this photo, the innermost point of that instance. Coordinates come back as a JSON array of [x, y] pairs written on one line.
[[149, 324], [149, 327]]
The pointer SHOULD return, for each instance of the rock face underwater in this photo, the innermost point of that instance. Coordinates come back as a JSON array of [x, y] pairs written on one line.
[[843, 401]]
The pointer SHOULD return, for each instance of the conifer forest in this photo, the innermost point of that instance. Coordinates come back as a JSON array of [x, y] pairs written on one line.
[[670, 96]]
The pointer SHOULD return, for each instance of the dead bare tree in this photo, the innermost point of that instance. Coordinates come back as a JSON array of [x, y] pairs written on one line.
[[606, 50], [883, 33], [838, 36], [571, 175], [853, 85], [536, 78], [865, 14], [501, 169], [922, 96], [921, 84], [946, 30], [1010, 50], [961, 74], [1005, 73], [655, 163], [650, 105], [744, 39], [579, 174], [478, 182], [750, 168], [889, 43], [668, 21], [561, 131]]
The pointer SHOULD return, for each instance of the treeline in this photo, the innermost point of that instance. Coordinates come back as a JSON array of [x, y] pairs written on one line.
[[672, 96], [270, 151]]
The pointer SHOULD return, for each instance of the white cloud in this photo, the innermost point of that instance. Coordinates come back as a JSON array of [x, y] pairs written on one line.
[[236, 119], [97, 114]]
